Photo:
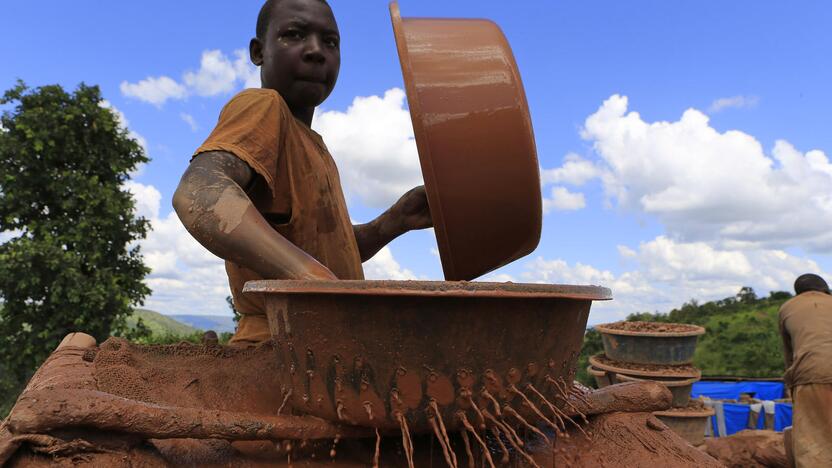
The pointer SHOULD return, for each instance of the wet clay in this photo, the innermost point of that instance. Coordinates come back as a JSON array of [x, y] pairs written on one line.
[[655, 327], [628, 440], [748, 448]]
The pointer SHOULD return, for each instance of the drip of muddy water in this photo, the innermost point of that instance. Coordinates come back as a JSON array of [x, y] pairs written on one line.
[[285, 400], [446, 450], [565, 400], [532, 407], [487, 395], [447, 441], [468, 451], [510, 434], [512, 437], [495, 431], [377, 453], [483, 447], [407, 442], [333, 450], [510, 411], [476, 409], [557, 412]]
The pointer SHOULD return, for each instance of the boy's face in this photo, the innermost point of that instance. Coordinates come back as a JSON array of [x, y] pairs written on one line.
[[300, 55]]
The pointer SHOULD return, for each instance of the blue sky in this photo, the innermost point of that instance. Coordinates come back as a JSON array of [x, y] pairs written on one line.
[[684, 146]]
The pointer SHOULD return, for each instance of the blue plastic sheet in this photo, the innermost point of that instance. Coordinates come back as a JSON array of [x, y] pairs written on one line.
[[732, 390], [736, 418], [782, 416]]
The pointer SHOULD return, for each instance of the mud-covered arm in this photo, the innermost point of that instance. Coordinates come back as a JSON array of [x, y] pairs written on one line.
[[411, 212], [213, 206]]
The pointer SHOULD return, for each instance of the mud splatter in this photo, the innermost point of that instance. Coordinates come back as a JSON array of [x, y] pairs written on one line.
[[285, 400]]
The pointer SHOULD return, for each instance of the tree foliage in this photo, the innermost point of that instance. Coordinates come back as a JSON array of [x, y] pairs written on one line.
[[72, 263], [742, 336]]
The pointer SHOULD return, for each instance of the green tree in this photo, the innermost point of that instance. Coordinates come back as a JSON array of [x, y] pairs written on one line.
[[72, 263]]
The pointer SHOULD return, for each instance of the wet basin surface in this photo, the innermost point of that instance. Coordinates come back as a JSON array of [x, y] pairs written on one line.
[[374, 353]]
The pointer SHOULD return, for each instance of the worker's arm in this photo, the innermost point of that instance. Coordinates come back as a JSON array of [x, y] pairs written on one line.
[[213, 206], [409, 213]]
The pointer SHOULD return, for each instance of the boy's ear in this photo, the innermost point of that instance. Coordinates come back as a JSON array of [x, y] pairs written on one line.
[[255, 52]]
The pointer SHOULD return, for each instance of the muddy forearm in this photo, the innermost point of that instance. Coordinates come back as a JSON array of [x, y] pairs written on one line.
[[221, 217], [409, 213], [371, 237]]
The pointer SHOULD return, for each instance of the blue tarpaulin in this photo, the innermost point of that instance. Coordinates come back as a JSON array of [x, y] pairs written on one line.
[[735, 415], [736, 418], [732, 390]]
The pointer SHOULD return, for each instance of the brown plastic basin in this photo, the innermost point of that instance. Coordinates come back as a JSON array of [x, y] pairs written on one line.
[[362, 352], [475, 141]]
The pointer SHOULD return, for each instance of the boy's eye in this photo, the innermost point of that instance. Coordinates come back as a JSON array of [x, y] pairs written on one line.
[[293, 34], [331, 42]]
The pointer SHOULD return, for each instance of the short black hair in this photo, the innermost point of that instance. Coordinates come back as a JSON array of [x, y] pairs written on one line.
[[265, 17], [810, 282]]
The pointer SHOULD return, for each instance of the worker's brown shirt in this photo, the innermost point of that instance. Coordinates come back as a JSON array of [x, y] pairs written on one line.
[[298, 192], [806, 328]]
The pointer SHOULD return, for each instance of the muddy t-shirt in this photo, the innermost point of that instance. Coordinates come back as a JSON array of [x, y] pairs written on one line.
[[298, 190], [806, 327]]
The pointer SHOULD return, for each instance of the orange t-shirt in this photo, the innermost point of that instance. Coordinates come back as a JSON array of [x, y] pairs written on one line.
[[298, 192]]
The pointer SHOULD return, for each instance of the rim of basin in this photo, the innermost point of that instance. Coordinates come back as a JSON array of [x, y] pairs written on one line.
[[666, 383], [612, 331], [429, 288]]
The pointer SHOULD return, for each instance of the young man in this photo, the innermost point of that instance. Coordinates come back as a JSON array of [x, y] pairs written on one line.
[[806, 328], [263, 192]]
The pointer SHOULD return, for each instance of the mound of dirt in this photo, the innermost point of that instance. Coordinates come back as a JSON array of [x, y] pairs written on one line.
[[749, 448]]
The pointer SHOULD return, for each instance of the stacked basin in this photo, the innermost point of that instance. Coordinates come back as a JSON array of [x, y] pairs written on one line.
[[662, 352]]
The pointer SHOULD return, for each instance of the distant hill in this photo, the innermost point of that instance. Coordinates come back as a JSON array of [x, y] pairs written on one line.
[[160, 325], [218, 323]]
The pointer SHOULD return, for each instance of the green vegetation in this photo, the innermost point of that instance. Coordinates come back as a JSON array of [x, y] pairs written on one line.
[[158, 324], [742, 338], [149, 327], [72, 263]]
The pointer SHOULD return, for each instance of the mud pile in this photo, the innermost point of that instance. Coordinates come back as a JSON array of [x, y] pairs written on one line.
[[128, 405], [749, 448]]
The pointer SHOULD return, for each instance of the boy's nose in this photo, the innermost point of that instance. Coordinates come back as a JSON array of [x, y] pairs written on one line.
[[314, 49]]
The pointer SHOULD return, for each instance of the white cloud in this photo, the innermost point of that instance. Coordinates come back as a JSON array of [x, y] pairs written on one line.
[[574, 171], [155, 90], [666, 273], [189, 119], [373, 145], [737, 102], [563, 200], [384, 267], [125, 124], [217, 74], [185, 278], [705, 185]]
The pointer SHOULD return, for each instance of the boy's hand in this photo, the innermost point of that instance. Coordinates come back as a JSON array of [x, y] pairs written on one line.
[[412, 210], [314, 271]]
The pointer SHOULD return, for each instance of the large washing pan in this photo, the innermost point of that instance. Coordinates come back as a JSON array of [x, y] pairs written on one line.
[[475, 141]]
